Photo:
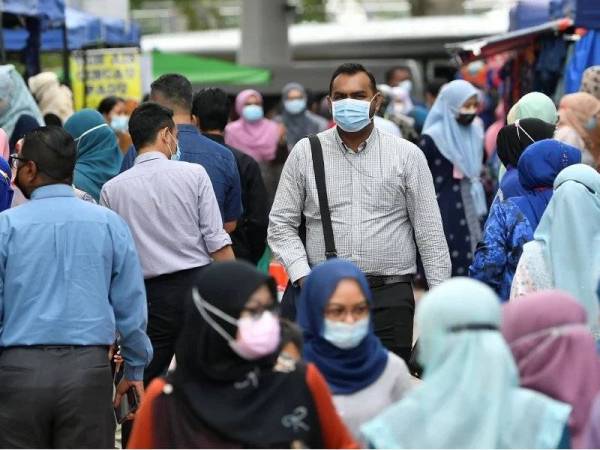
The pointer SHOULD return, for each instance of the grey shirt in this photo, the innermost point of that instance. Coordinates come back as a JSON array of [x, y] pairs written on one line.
[[172, 211], [383, 206]]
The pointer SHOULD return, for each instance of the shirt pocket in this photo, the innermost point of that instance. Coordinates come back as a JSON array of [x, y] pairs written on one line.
[[383, 193]]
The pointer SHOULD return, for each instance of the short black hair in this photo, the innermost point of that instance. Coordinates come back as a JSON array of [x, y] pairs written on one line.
[[53, 150], [291, 333], [108, 103], [434, 86], [389, 74], [146, 121], [351, 69], [211, 106], [176, 88], [52, 119]]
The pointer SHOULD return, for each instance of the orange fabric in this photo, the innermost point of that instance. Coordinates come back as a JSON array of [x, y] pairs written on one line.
[[335, 433], [141, 435]]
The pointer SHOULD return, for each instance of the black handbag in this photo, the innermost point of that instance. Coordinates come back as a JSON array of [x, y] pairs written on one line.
[[292, 292]]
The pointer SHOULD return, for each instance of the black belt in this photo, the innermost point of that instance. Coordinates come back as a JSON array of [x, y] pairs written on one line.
[[377, 281]]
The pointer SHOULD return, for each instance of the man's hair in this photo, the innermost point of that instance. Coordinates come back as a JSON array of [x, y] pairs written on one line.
[[176, 89], [389, 74], [211, 107], [146, 121], [433, 87], [108, 103], [352, 69], [53, 150], [291, 333], [51, 119]]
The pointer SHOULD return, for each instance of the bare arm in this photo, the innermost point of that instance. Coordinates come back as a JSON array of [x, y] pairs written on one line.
[[224, 254]]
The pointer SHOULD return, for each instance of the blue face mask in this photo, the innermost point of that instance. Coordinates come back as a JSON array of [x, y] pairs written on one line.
[[252, 113], [295, 106], [119, 123], [346, 335], [177, 155], [352, 115]]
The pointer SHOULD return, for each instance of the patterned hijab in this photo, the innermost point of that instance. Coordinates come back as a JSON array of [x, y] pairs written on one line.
[[590, 82], [470, 395]]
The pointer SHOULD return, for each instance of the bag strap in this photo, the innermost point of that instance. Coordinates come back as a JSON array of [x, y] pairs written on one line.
[[319, 169]]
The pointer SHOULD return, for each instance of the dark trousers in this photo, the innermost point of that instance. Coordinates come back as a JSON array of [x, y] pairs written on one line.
[[166, 295], [393, 315], [56, 397]]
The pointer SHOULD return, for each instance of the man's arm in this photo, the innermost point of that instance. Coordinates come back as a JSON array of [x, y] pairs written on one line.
[[209, 218], [224, 254], [286, 214], [232, 205], [424, 214], [257, 210], [127, 296]]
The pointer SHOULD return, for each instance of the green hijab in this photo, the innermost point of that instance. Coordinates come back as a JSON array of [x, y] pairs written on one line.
[[98, 155]]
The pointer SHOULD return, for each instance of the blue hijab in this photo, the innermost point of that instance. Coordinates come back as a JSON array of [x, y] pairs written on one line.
[[470, 395], [459, 144], [98, 155], [6, 190], [538, 167], [24, 125], [568, 232], [346, 371]]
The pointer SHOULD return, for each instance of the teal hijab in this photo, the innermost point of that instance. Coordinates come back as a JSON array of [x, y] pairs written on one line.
[[15, 100], [470, 395], [568, 233], [98, 155]]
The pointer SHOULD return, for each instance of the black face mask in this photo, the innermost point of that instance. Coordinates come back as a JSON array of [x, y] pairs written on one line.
[[465, 119]]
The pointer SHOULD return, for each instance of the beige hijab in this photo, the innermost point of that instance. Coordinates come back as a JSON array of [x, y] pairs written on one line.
[[581, 113]]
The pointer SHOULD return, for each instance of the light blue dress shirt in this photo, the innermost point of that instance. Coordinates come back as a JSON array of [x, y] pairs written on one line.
[[70, 275]]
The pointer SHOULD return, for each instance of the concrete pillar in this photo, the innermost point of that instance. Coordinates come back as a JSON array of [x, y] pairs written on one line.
[[264, 26]]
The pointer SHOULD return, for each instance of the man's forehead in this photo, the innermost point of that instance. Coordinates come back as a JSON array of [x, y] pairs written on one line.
[[351, 82]]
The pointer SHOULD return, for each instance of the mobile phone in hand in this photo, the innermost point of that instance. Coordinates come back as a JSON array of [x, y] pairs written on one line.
[[129, 405]]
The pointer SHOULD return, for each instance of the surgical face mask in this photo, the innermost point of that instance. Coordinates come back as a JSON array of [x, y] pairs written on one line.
[[466, 116], [252, 113], [295, 106], [257, 336], [346, 335], [352, 115], [119, 123], [406, 84], [175, 155]]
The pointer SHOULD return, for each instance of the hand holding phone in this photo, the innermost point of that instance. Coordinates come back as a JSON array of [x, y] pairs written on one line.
[[127, 399]]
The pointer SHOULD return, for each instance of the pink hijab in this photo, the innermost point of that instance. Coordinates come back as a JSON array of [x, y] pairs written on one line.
[[257, 139], [555, 352], [4, 144]]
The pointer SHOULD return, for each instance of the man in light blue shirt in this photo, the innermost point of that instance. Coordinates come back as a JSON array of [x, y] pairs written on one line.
[[70, 280]]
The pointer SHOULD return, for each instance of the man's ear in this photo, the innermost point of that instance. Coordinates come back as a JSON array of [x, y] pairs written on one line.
[[196, 120]]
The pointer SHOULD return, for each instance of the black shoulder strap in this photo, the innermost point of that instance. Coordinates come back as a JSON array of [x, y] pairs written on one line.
[[319, 168]]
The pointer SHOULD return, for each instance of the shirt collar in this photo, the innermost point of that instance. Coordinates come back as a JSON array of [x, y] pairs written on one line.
[[149, 156], [187, 128], [53, 190], [362, 147]]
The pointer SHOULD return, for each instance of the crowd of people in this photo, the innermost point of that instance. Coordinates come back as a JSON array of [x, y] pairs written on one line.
[[132, 236]]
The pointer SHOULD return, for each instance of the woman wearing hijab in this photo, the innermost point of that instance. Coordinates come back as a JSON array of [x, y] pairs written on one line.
[[6, 190], [555, 352], [225, 392], [298, 121], [4, 145], [579, 125], [51, 96], [534, 105], [470, 395], [590, 82], [512, 222], [453, 145], [23, 125], [98, 155], [334, 313], [592, 433], [512, 141], [564, 247], [15, 100], [252, 133]]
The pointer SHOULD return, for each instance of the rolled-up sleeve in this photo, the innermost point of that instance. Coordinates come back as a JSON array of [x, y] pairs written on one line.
[[209, 215], [426, 220], [128, 299], [286, 215]]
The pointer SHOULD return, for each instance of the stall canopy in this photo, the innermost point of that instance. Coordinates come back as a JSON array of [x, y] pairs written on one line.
[[49, 10], [587, 14], [483, 48], [529, 13], [83, 30], [207, 70]]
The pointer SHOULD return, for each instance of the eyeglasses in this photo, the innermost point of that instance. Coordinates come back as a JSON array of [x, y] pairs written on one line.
[[338, 312], [14, 158], [259, 310]]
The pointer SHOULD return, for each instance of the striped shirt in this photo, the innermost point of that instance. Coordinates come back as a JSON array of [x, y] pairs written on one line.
[[382, 202]]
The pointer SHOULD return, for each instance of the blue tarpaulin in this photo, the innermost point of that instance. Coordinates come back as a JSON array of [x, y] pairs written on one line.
[[83, 30], [50, 10], [586, 54], [529, 13], [587, 14]]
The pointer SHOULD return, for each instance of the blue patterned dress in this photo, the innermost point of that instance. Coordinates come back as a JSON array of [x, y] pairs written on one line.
[[506, 231]]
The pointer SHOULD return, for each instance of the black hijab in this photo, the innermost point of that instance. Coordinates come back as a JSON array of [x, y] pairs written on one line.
[[230, 398], [515, 138], [24, 125]]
